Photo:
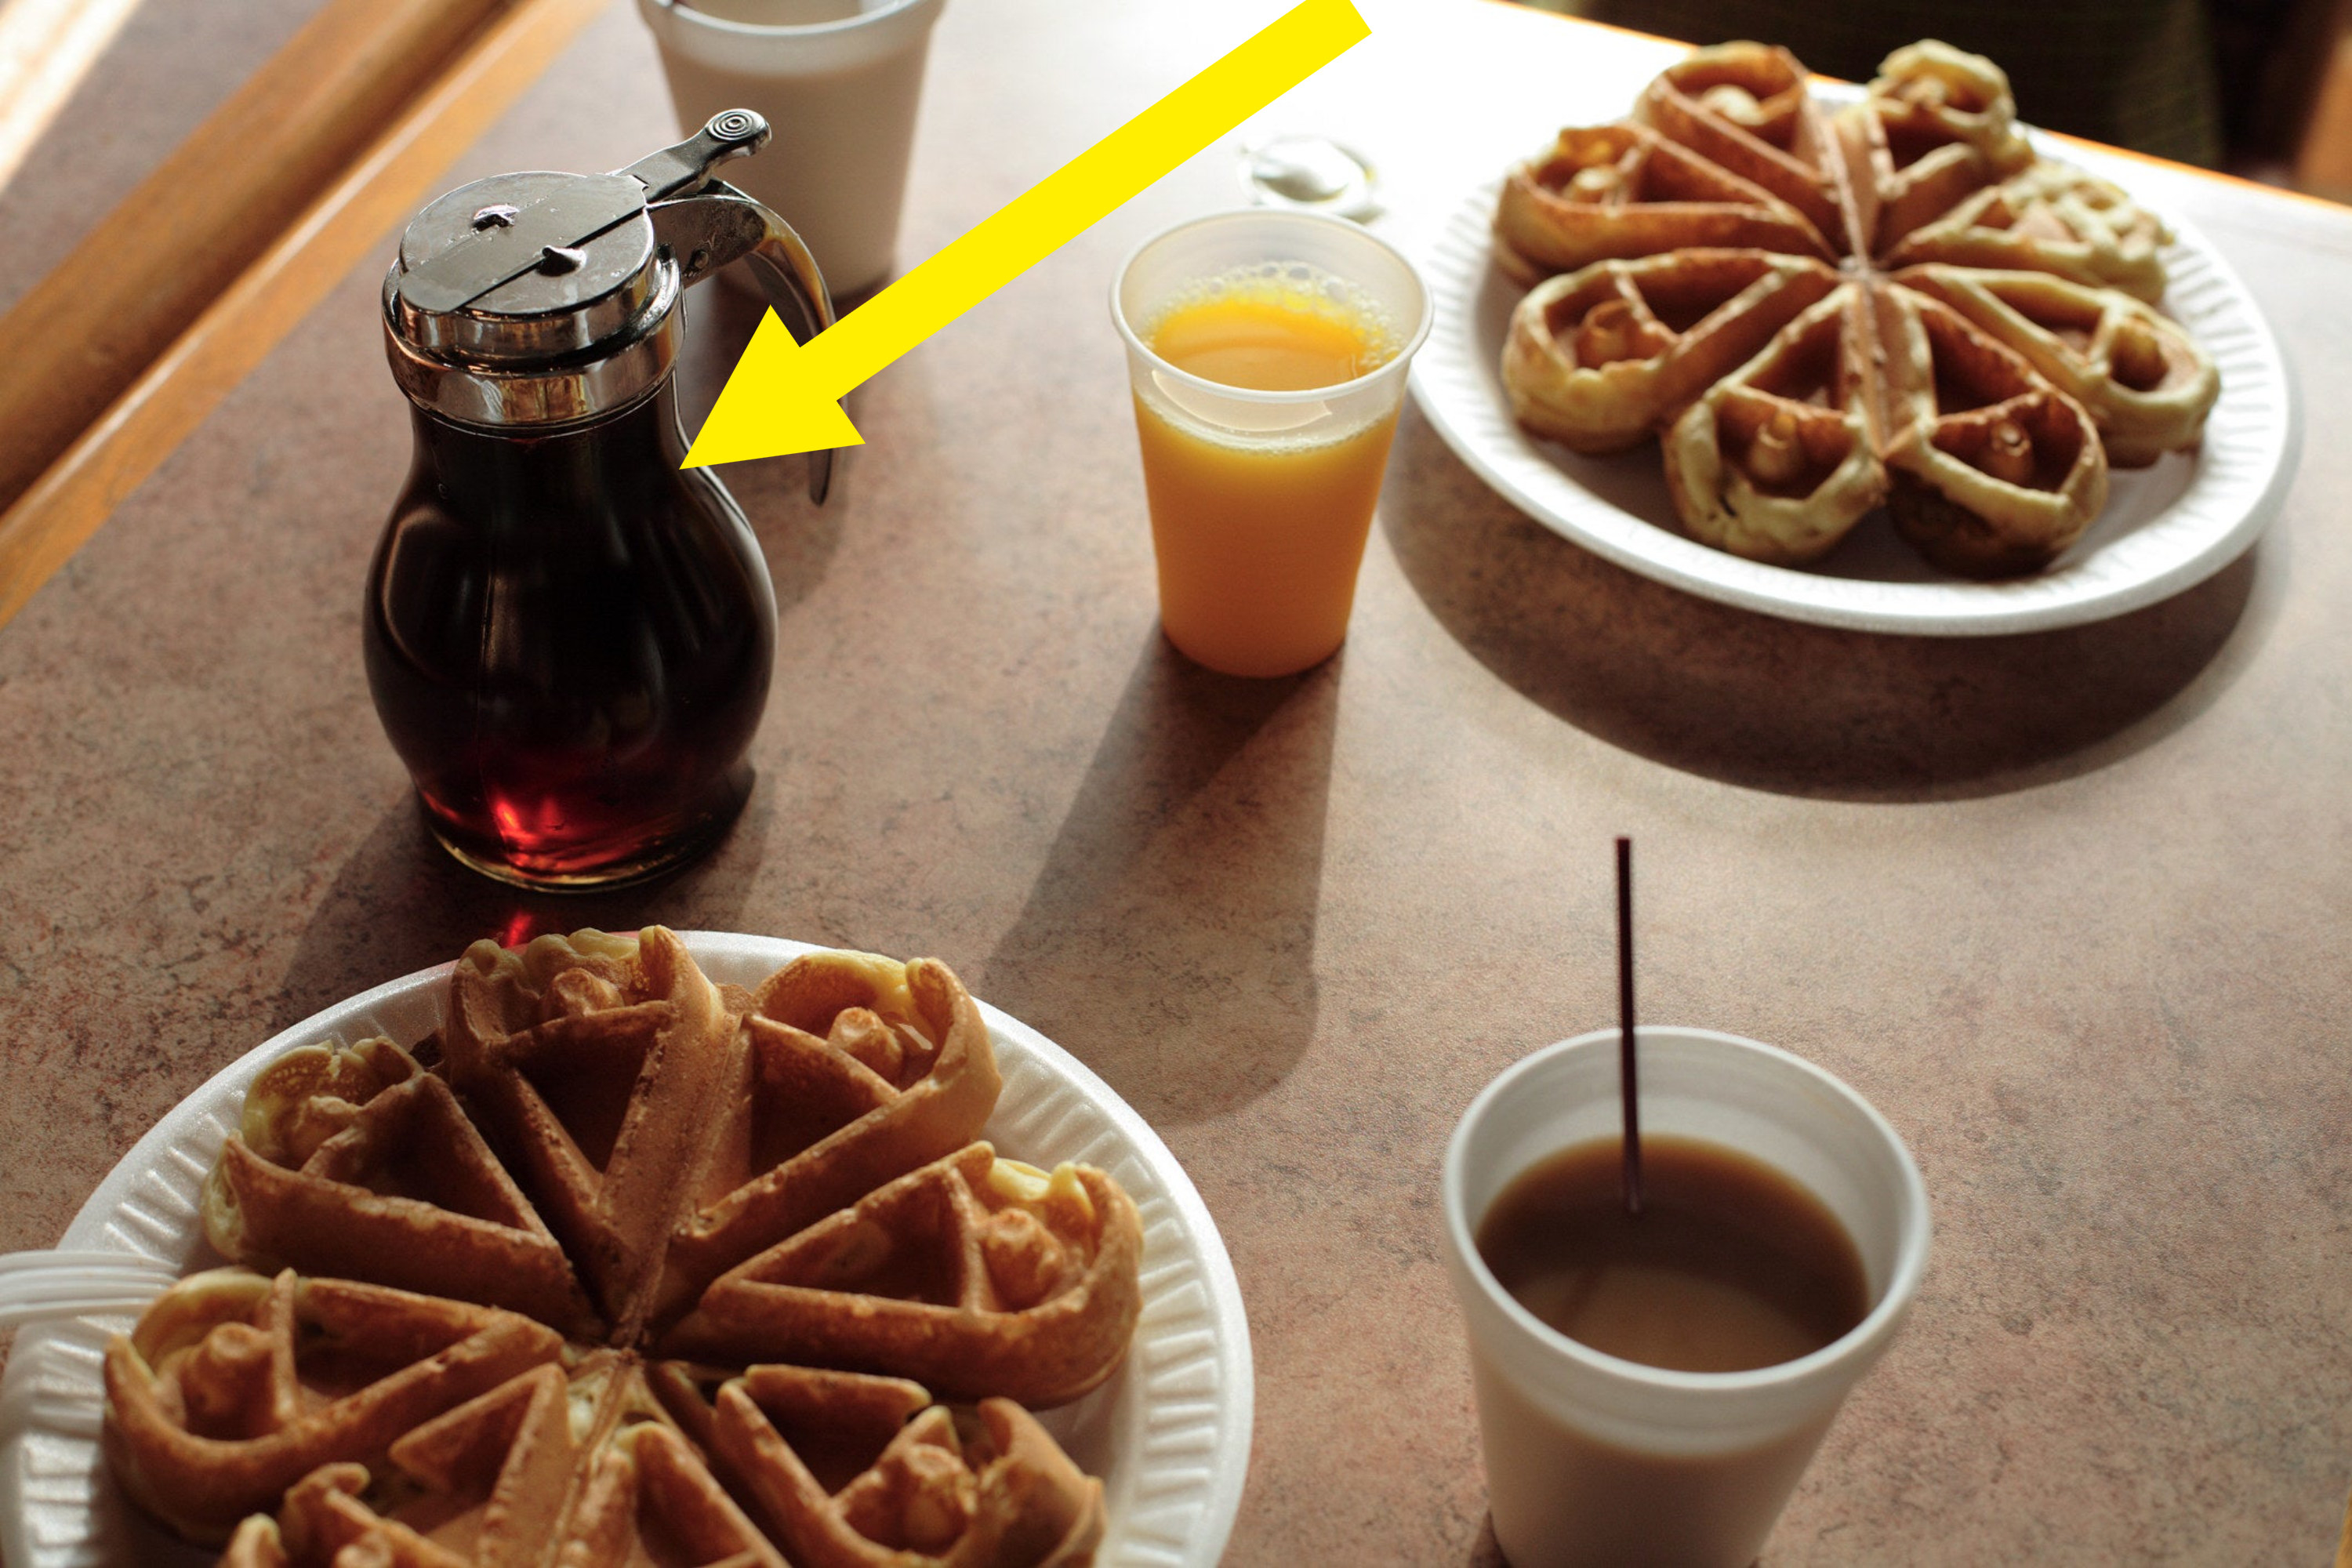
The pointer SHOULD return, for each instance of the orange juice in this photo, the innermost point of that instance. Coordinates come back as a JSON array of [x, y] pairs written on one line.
[[1258, 532]]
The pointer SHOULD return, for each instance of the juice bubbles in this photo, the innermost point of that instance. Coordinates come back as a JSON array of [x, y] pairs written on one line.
[[1267, 354]]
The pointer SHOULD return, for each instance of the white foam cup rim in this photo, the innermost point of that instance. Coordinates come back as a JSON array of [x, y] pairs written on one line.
[[1756, 1099]]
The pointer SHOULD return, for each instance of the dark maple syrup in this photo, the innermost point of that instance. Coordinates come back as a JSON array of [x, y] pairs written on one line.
[[569, 640]]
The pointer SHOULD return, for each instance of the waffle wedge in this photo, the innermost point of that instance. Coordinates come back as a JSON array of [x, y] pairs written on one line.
[[974, 1275], [1935, 127], [1617, 191], [2049, 218], [1744, 108], [862, 1069], [356, 1163], [984, 1487], [2144, 381], [1779, 460], [1600, 359], [594, 1064], [1994, 471], [234, 1385], [554, 1468]]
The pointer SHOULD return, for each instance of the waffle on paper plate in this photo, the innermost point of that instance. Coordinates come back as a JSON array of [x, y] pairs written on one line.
[[1899, 303], [641, 1270]]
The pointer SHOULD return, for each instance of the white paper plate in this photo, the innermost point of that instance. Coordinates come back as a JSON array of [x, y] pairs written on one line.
[[2165, 529], [1169, 1434]]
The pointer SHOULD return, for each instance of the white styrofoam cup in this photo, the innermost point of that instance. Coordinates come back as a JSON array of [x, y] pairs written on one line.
[[1592, 1460]]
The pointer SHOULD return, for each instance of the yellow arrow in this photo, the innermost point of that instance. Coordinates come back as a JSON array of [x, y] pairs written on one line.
[[783, 397]]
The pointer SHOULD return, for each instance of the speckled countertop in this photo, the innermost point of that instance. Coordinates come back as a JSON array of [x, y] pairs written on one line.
[[2074, 910]]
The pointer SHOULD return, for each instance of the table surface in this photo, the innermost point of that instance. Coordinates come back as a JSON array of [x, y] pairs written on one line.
[[2071, 908]]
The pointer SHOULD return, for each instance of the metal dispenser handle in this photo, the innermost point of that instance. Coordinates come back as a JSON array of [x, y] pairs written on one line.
[[705, 223]]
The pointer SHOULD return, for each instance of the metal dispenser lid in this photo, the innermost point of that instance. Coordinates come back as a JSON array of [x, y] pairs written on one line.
[[522, 268], [544, 298]]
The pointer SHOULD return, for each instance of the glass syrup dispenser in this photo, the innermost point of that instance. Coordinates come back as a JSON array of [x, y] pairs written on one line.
[[568, 637]]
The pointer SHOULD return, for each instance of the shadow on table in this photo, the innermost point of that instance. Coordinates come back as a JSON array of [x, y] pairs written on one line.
[[797, 536], [399, 903], [1801, 710], [1169, 941]]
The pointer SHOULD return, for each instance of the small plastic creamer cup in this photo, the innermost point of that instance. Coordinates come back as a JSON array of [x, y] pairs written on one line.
[[839, 80], [1594, 1460], [1261, 500]]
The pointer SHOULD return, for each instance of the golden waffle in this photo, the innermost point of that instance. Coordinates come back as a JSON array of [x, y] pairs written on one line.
[[1929, 171], [851, 1471], [234, 1385], [669, 1137], [668, 1130], [2144, 381], [2054, 218], [357, 1164], [1614, 190], [1601, 358], [1777, 460], [1994, 470], [974, 1276], [577, 1470], [595, 1067], [1936, 125], [861, 1069], [1743, 108]]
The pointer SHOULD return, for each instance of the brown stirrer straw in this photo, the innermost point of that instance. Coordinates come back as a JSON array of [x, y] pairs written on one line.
[[1625, 1069]]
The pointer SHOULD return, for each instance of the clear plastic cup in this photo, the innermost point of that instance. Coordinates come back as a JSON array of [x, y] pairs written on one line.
[[1261, 500], [1594, 1460], [840, 82]]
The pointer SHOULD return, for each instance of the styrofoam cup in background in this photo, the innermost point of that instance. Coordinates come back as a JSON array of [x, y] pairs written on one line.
[[840, 82]]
